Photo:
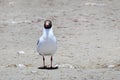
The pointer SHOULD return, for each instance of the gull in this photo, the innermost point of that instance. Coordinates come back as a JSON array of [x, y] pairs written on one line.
[[47, 43]]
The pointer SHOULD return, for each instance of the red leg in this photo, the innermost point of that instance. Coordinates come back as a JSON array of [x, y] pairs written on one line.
[[51, 61], [43, 61]]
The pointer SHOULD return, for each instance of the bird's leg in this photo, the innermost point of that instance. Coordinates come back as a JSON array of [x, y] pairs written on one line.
[[43, 61], [51, 61]]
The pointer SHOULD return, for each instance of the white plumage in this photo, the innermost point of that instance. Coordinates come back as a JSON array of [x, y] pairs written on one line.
[[47, 43]]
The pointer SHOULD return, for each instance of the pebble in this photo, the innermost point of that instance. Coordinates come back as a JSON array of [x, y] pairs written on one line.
[[64, 66], [111, 66], [94, 4], [20, 65], [33, 72], [20, 52]]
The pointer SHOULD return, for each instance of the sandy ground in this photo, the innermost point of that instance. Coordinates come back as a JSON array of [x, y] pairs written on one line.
[[88, 34]]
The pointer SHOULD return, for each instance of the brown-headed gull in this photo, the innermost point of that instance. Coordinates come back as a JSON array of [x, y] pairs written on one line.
[[47, 43]]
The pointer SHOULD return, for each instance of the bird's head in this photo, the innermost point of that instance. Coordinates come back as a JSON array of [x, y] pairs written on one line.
[[47, 24]]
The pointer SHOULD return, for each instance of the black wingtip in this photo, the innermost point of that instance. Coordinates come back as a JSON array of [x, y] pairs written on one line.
[[37, 42]]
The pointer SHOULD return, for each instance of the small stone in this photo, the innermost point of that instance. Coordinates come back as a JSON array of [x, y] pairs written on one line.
[[20, 52], [33, 72], [64, 66], [21, 65], [111, 66]]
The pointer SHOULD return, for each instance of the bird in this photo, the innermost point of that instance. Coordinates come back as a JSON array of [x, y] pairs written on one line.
[[47, 43]]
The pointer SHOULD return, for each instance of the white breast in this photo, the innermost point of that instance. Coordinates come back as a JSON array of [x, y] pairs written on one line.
[[47, 43]]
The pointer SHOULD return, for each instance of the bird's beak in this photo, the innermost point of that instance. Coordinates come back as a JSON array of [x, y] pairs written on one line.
[[47, 24]]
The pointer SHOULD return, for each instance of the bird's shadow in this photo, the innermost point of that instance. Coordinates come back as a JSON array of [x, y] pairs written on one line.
[[48, 68]]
